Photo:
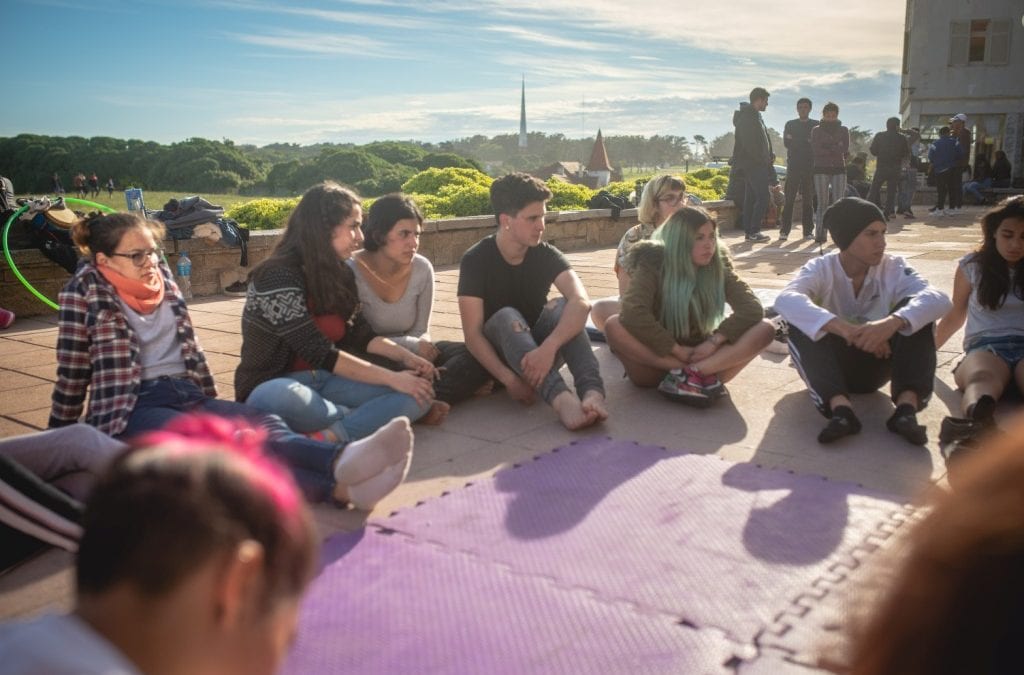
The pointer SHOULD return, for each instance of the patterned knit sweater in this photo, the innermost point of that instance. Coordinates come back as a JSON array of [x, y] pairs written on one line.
[[277, 326]]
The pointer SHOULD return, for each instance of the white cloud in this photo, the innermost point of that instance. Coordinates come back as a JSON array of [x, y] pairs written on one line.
[[863, 35], [529, 35], [308, 42]]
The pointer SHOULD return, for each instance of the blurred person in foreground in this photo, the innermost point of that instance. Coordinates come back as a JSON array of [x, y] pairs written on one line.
[[956, 602], [196, 550]]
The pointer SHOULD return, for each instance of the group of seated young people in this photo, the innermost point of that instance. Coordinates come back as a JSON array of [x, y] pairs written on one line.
[[337, 362]]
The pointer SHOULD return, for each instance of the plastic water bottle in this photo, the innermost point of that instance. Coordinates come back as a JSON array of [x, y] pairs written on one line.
[[185, 275]]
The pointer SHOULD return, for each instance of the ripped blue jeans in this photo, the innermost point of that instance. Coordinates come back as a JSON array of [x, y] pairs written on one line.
[[511, 336]]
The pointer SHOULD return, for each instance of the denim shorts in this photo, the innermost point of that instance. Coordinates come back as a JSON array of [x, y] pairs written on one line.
[[1009, 348]]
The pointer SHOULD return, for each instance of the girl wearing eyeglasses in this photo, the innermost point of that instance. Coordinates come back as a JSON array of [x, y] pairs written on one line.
[[662, 196], [126, 338]]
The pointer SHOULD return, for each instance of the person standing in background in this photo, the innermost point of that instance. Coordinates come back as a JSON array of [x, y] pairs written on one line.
[[799, 170], [753, 155], [890, 147], [908, 181], [962, 135]]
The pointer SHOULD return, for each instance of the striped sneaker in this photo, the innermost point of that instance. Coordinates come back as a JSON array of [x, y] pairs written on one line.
[[709, 384], [675, 386]]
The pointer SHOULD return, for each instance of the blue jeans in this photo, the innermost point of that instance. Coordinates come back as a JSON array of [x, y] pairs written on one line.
[[163, 399], [512, 338], [975, 187], [313, 400], [908, 186], [755, 200]]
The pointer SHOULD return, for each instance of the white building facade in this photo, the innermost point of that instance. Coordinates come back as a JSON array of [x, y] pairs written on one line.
[[967, 56]]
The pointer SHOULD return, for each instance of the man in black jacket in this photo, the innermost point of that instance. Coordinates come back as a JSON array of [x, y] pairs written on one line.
[[754, 157], [890, 147], [799, 170]]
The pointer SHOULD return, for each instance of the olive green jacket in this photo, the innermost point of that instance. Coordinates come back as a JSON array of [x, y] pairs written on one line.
[[641, 305]]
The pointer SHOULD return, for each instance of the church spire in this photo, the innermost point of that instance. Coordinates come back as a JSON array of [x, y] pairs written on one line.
[[522, 118]]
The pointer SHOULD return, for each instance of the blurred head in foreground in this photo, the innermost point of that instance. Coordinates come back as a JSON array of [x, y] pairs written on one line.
[[196, 551], [957, 601]]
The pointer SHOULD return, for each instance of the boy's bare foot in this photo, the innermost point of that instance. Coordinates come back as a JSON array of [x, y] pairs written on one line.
[[593, 402], [367, 457], [437, 413], [571, 413]]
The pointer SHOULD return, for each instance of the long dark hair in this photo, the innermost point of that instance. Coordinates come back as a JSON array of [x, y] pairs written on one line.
[[306, 244], [995, 273]]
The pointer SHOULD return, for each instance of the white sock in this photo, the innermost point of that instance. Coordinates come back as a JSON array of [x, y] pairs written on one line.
[[367, 457], [365, 495]]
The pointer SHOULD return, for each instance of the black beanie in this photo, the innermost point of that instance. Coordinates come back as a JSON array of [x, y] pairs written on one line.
[[848, 217]]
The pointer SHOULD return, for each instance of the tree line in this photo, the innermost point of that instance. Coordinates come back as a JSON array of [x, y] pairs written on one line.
[[200, 165]]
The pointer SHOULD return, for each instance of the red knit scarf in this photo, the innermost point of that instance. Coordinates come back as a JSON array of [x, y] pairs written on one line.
[[143, 297]]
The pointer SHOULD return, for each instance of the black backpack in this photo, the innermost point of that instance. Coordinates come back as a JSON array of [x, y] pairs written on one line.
[[606, 200]]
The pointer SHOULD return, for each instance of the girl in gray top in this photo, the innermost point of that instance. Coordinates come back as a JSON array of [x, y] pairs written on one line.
[[396, 289]]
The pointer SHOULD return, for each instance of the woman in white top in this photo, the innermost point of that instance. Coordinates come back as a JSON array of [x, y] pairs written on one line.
[[396, 289], [988, 294], [662, 196]]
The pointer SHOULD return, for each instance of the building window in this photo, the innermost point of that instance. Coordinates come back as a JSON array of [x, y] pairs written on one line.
[[979, 41], [976, 45]]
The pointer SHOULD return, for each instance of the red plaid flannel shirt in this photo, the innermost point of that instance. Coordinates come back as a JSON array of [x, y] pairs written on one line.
[[98, 350]]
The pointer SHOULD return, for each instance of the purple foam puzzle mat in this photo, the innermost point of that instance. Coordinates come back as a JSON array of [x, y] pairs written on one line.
[[601, 556]]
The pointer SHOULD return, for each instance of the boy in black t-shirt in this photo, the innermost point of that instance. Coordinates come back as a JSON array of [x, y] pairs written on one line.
[[508, 323]]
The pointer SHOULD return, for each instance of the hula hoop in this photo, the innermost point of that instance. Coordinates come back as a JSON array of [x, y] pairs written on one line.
[[7, 252]]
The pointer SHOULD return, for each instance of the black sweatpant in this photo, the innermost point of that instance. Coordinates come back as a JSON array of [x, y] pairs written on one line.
[[946, 183], [831, 367], [956, 187]]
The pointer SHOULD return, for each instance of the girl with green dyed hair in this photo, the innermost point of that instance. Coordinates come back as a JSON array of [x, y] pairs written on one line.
[[673, 331]]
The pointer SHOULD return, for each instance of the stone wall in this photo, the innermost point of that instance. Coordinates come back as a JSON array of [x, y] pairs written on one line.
[[214, 266]]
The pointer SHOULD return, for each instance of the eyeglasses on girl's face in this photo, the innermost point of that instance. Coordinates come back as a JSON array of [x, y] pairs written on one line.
[[672, 198], [139, 258]]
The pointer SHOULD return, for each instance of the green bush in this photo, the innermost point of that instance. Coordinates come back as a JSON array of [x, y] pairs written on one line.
[[430, 181], [465, 200], [567, 196], [703, 174], [262, 214], [719, 183], [430, 205]]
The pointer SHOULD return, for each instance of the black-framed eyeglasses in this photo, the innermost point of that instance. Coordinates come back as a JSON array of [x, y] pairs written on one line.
[[139, 258]]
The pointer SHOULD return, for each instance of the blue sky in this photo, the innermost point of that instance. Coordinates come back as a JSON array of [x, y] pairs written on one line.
[[305, 71]]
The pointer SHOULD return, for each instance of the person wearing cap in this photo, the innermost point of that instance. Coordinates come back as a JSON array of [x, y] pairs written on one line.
[[859, 317], [753, 155], [962, 135]]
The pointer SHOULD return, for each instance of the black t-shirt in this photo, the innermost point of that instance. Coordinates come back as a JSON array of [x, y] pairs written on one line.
[[484, 274]]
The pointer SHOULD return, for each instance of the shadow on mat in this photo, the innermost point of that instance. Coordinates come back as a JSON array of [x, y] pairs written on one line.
[[548, 503], [338, 546], [808, 523]]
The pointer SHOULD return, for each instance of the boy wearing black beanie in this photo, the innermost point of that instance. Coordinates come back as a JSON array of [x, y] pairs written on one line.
[[859, 317]]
